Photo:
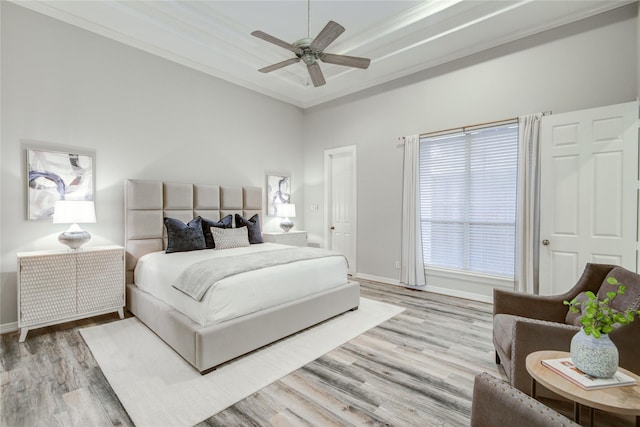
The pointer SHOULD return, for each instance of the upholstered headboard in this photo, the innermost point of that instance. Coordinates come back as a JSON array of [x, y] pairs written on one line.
[[148, 202]]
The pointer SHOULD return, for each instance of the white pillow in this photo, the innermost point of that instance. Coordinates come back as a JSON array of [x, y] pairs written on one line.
[[227, 238]]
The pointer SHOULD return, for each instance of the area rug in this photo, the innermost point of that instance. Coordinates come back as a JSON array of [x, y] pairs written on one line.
[[158, 388]]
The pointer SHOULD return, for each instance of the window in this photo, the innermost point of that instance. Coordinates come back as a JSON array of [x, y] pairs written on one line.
[[468, 199]]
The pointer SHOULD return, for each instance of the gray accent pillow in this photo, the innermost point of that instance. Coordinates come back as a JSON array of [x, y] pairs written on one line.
[[253, 226], [631, 298], [226, 222], [184, 237], [227, 238]]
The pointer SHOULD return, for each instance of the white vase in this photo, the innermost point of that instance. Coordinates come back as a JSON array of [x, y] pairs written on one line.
[[597, 357]]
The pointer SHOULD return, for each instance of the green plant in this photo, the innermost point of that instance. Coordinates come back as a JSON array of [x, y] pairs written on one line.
[[597, 317]]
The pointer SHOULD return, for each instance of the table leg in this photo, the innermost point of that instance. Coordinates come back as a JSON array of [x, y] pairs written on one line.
[[590, 417], [533, 387], [638, 421], [576, 412]]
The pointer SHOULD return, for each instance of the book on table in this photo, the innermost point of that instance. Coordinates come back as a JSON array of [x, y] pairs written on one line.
[[565, 367]]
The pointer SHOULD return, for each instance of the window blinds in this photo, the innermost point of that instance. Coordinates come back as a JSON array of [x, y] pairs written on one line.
[[468, 199]]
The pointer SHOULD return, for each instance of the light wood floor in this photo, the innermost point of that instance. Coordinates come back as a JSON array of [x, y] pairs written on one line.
[[416, 369]]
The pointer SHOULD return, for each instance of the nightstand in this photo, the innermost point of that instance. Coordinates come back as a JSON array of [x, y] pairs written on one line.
[[61, 285], [293, 238]]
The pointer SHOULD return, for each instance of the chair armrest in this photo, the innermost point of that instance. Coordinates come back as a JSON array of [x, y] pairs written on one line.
[[537, 307], [496, 403], [549, 307], [534, 335]]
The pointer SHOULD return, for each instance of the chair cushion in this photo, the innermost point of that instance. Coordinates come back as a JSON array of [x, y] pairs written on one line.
[[631, 298]]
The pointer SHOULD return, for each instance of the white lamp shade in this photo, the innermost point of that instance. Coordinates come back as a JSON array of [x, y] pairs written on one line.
[[287, 211], [74, 212]]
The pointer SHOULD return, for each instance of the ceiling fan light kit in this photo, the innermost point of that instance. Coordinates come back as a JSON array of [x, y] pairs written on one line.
[[310, 51]]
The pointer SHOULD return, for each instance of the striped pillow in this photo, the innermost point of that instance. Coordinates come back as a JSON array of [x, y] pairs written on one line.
[[227, 238]]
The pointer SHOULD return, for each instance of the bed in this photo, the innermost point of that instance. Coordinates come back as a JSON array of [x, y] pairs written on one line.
[[200, 336]]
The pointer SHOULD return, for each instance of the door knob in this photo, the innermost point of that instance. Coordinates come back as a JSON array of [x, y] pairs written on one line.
[[545, 242], [332, 228]]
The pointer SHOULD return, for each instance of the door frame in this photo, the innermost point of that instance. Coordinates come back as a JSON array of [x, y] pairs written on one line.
[[328, 153]]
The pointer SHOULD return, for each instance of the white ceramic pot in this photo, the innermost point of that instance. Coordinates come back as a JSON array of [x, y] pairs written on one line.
[[597, 357]]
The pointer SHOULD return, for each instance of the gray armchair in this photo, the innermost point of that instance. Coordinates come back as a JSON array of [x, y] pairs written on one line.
[[524, 323], [496, 403]]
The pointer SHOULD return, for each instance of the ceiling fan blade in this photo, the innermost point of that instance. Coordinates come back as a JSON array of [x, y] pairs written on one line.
[[273, 67], [264, 36], [329, 33], [347, 61], [316, 74]]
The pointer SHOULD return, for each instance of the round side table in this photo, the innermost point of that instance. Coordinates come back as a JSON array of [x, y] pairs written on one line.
[[620, 400]]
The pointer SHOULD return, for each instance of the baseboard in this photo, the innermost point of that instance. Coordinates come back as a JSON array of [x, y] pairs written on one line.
[[435, 289], [373, 278], [8, 327], [387, 281], [459, 294]]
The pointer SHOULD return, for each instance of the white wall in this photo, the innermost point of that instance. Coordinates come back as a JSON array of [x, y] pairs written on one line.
[[586, 64], [143, 116]]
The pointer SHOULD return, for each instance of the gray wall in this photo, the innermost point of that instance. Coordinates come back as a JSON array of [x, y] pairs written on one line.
[[587, 64], [143, 116]]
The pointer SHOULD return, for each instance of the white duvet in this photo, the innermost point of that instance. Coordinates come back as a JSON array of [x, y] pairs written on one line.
[[243, 293]]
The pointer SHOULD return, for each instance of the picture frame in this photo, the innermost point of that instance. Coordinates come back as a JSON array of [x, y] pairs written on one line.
[[278, 192], [57, 175]]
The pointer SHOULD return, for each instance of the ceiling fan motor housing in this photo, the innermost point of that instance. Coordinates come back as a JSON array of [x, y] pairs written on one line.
[[308, 55]]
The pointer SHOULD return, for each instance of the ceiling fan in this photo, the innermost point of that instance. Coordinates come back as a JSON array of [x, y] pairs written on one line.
[[311, 50]]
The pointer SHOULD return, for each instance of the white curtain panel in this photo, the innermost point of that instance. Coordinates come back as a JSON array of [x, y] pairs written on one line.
[[528, 201], [412, 262]]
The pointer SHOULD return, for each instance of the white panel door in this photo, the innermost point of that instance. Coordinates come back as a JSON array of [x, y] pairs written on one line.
[[340, 202], [588, 193]]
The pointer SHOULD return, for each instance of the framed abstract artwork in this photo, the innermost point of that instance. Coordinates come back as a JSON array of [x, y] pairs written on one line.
[[57, 175], [278, 193]]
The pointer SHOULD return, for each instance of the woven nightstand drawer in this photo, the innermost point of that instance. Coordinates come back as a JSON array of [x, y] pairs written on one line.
[[62, 285]]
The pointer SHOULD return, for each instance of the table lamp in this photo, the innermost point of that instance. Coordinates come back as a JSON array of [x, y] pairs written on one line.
[[74, 212], [287, 211]]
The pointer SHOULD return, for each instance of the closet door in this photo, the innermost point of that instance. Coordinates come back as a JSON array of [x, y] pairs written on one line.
[[588, 193]]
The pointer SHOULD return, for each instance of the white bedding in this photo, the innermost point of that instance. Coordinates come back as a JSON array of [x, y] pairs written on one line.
[[240, 294]]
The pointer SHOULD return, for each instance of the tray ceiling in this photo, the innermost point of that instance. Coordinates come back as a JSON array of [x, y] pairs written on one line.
[[401, 37]]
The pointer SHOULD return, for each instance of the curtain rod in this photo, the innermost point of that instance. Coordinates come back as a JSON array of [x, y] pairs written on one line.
[[468, 127], [465, 128]]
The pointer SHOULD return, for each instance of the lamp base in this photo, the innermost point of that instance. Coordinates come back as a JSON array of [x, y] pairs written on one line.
[[74, 239], [286, 224]]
